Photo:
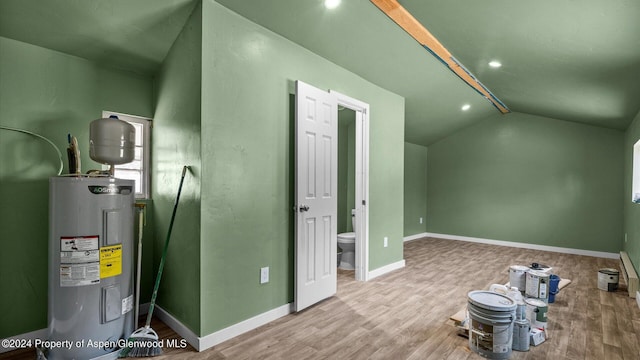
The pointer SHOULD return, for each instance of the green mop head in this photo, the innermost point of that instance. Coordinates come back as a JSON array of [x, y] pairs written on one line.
[[143, 342]]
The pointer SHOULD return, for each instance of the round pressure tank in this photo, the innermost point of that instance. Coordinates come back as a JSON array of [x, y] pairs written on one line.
[[112, 141]]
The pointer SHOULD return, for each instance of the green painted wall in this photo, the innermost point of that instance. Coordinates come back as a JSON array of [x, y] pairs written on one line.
[[51, 94], [346, 168], [351, 166], [631, 210], [247, 220], [415, 189], [176, 142], [529, 179]]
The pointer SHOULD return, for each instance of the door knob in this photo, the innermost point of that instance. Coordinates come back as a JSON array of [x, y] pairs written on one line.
[[304, 208]]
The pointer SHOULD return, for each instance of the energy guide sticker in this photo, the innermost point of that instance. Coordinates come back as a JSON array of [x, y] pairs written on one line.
[[110, 261], [79, 261]]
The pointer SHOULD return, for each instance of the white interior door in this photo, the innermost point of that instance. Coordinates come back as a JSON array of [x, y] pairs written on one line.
[[316, 195]]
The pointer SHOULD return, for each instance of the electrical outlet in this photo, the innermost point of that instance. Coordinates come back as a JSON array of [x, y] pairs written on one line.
[[264, 275], [386, 241], [421, 220]]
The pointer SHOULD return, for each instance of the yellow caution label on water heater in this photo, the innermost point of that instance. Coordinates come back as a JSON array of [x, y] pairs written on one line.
[[110, 261]]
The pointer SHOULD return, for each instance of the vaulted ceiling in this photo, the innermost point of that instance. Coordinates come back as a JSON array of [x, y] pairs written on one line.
[[133, 35], [564, 59]]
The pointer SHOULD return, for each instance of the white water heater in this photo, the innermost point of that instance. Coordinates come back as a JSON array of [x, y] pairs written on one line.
[[90, 266]]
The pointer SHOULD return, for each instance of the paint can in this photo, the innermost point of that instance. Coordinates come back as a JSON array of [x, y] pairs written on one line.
[[491, 318], [521, 311], [521, 329], [537, 312], [518, 277], [537, 285], [608, 279]]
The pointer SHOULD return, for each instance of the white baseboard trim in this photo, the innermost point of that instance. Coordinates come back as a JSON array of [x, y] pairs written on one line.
[[199, 343], [600, 254], [176, 325], [41, 334], [415, 237], [386, 269], [211, 340]]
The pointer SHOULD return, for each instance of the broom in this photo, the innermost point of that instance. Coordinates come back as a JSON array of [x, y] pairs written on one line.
[[144, 341]]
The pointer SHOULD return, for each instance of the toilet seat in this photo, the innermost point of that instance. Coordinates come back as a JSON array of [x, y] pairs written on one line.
[[347, 238]]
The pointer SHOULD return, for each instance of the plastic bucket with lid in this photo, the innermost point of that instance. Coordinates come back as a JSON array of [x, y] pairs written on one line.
[[491, 318]]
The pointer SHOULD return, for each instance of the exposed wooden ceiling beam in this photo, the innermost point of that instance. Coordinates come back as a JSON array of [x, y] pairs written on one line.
[[413, 27]]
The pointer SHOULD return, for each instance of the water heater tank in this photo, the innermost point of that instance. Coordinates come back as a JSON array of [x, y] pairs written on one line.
[[90, 266], [112, 141]]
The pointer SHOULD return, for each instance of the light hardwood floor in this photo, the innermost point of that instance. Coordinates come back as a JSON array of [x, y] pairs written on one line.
[[404, 314]]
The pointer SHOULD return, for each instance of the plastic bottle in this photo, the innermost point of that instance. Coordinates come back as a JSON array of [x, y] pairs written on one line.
[[521, 325]]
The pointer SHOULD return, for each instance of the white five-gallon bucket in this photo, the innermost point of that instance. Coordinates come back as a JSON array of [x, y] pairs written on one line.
[[491, 318]]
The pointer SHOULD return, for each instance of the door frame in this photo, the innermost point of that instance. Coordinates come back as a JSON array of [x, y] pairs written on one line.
[[362, 181]]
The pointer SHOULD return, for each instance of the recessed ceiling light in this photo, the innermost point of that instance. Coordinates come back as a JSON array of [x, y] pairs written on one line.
[[495, 64], [466, 107], [331, 4]]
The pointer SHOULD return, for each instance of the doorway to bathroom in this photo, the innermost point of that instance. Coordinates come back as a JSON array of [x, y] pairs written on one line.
[[346, 189], [316, 192], [355, 127]]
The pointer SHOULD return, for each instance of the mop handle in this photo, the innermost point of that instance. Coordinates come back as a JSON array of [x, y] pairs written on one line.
[[164, 252]]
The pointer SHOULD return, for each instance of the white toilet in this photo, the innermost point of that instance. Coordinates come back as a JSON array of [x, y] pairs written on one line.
[[347, 242]]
